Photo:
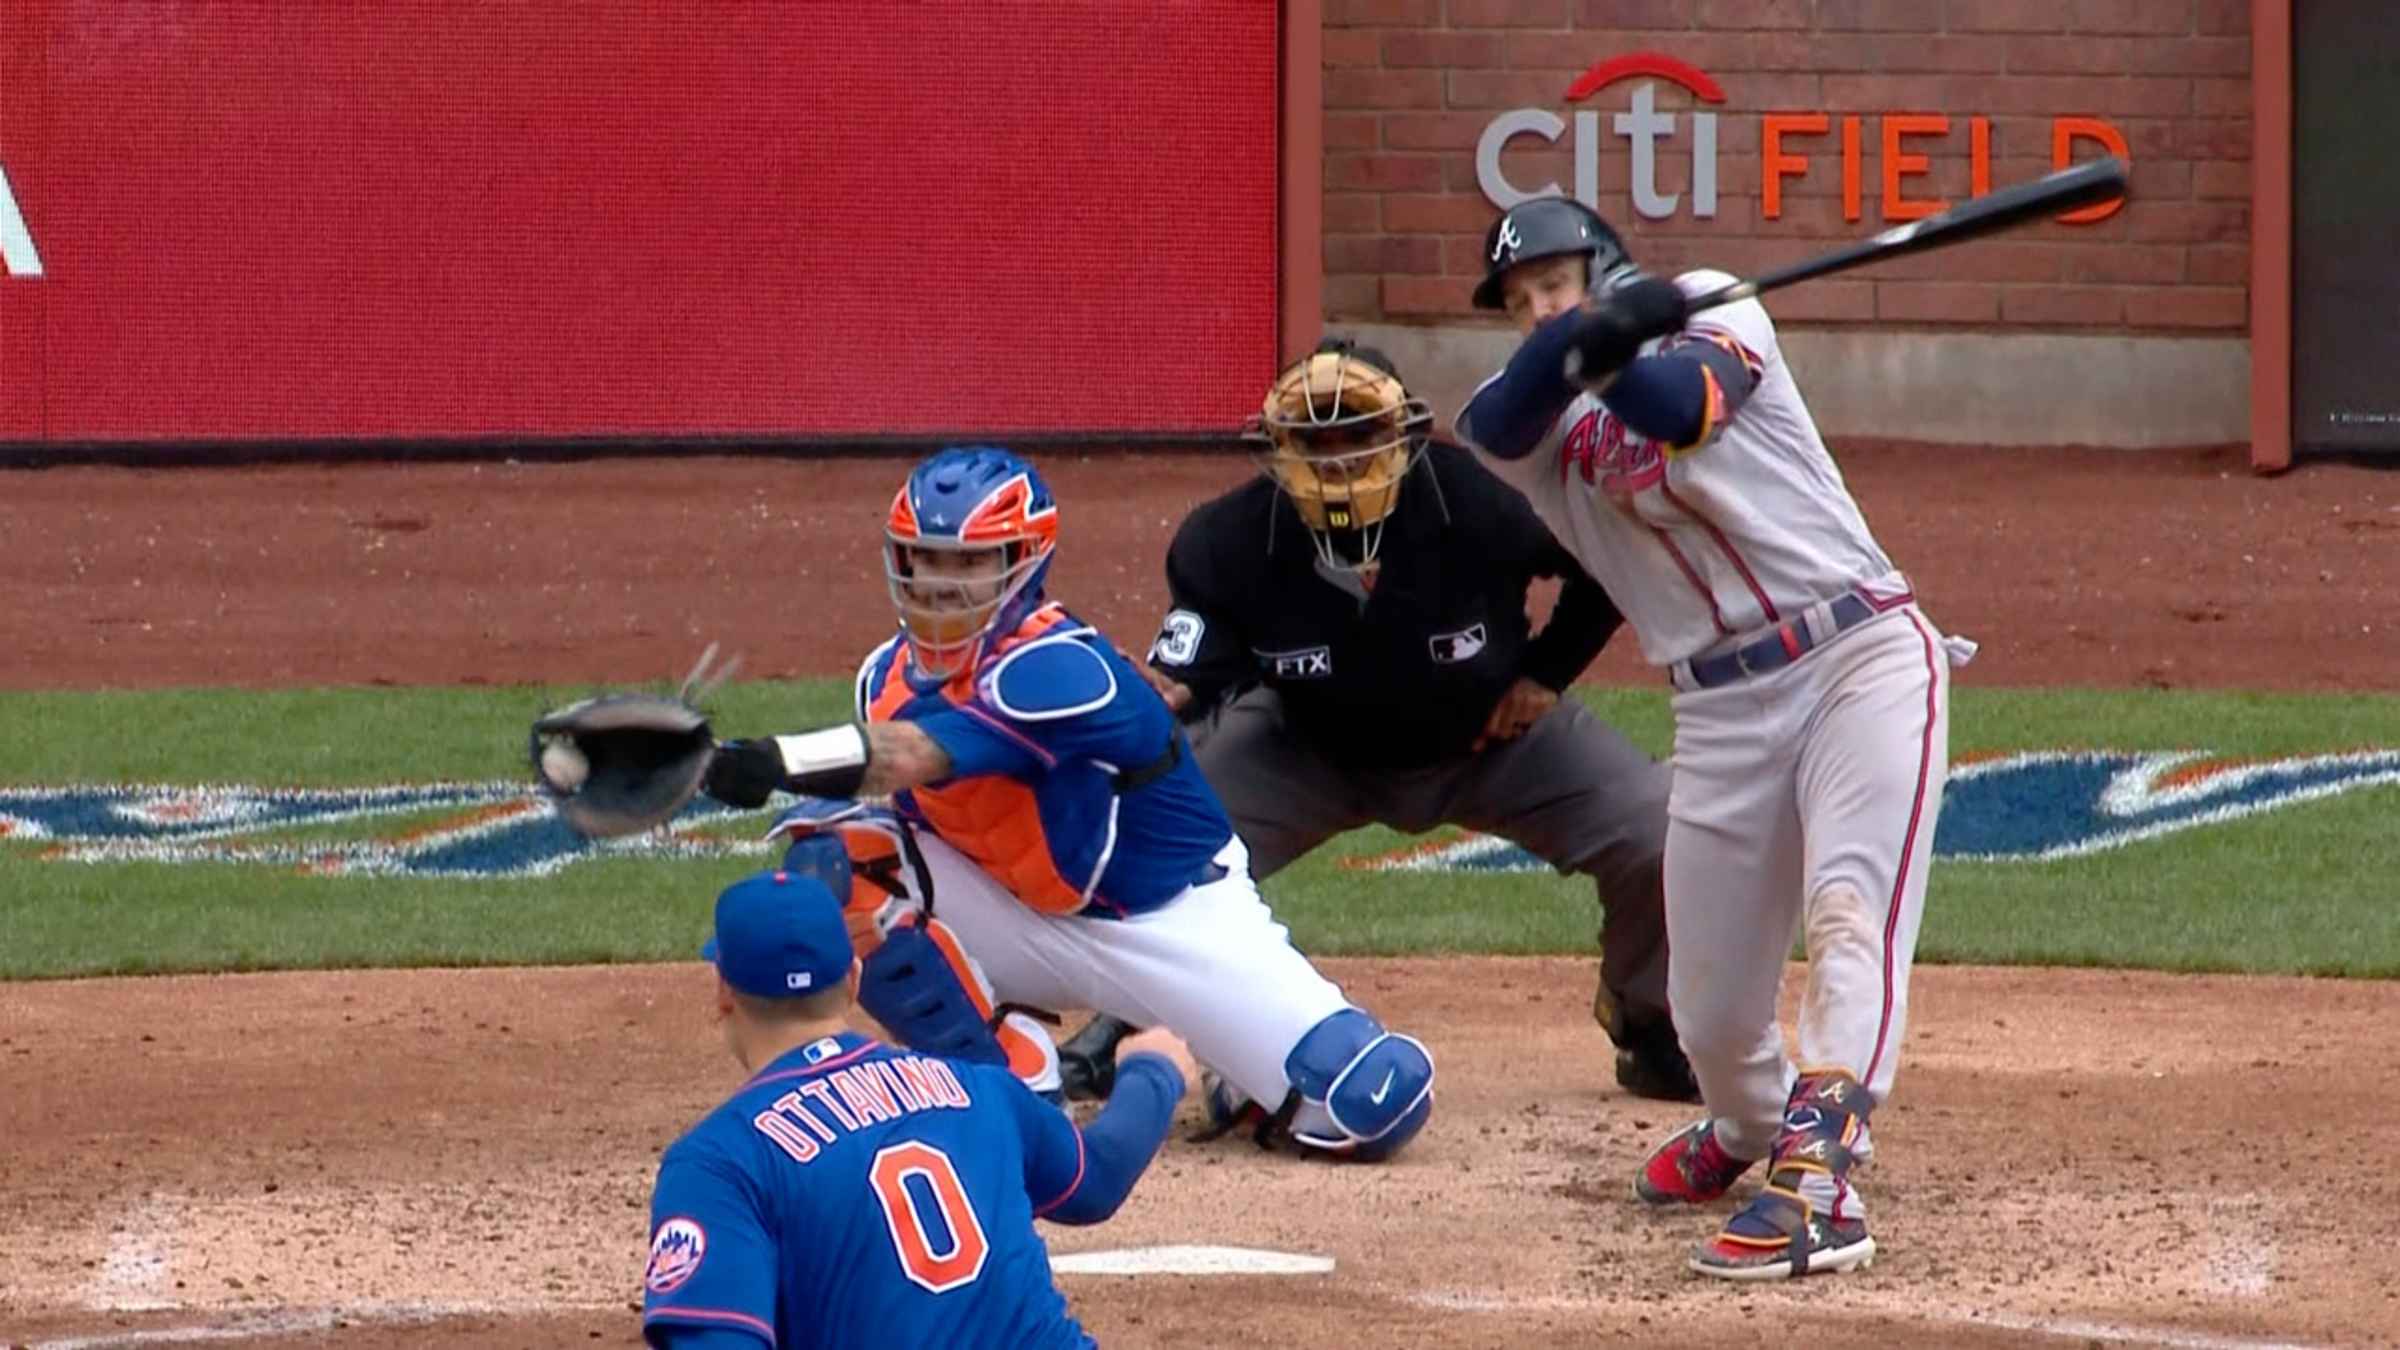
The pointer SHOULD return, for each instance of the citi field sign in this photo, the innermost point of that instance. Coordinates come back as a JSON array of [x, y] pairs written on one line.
[[18, 256], [1786, 141]]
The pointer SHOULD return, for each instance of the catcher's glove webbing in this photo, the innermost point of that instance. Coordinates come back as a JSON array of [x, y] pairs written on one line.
[[619, 764]]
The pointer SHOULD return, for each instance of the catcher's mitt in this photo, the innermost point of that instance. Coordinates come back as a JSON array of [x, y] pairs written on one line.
[[622, 763]]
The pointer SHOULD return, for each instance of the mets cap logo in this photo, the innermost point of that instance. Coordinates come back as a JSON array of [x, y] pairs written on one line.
[[674, 1255]]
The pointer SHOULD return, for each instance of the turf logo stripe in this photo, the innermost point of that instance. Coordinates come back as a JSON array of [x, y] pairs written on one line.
[[2043, 805], [468, 830]]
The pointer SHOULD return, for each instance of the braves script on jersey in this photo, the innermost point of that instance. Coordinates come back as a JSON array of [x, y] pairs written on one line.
[[1700, 547], [853, 1194]]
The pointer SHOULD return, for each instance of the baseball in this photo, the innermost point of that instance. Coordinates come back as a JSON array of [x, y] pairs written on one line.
[[565, 766]]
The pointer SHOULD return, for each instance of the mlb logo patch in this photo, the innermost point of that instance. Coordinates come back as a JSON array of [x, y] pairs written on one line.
[[674, 1255], [1451, 648]]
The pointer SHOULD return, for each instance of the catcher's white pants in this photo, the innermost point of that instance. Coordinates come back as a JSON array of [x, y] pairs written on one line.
[[1213, 965]]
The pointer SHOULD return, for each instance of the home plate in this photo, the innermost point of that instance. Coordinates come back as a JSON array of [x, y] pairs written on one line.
[[1189, 1261]]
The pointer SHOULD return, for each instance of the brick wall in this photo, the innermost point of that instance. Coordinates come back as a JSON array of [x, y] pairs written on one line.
[[1410, 86]]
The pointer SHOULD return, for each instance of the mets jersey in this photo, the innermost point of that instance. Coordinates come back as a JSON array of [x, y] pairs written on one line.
[[1070, 783], [1742, 532], [855, 1194]]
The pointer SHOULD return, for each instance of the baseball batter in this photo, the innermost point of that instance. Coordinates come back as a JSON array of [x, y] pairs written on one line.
[[1673, 455], [1054, 829], [852, 1194]]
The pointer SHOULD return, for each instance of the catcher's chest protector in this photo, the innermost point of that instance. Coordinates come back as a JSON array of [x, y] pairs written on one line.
[[995, 821]]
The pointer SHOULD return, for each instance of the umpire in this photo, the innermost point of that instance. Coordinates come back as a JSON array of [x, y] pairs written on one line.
[[1349, 644]]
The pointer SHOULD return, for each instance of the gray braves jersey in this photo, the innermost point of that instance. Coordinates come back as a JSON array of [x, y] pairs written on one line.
[[1695, 548]]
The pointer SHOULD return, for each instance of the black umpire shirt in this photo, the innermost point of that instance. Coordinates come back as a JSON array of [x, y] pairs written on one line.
[[1409, 675]]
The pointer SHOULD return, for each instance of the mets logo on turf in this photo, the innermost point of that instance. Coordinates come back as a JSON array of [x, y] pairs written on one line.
[[2044, 805], [2030, 807], [464, 830], [674, 1255]]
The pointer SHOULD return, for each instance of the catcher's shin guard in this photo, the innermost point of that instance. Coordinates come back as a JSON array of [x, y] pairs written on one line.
[[1365, 1091], [921, 986]]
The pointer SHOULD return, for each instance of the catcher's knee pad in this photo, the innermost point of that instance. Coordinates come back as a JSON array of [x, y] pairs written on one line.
[[863, 854], [921, 987], [1376, 1086]]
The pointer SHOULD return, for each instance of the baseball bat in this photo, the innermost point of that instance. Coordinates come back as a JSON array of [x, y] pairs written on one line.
[[2096, 180]]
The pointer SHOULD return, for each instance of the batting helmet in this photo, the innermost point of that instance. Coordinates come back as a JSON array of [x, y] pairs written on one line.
[[966, 550], [1339, 434], [1546, 227]]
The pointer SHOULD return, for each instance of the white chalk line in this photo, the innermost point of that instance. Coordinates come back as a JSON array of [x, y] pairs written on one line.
[[250, 1328], [1456, 1300], [2077, 1329], [2241, 1254], [287, 1321], [133, 1273]]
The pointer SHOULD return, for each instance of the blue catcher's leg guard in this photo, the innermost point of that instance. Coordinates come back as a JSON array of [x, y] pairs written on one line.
[[921, 985], [1364, 1091], [909, 985]]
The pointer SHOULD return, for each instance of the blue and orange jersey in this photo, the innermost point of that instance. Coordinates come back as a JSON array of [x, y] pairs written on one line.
[[1070, 784], [856, 1194]]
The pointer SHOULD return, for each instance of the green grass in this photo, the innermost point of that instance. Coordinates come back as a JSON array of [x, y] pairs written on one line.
[[2305, 888]]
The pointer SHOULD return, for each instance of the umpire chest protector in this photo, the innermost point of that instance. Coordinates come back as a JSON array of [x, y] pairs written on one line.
[[1401, 670]]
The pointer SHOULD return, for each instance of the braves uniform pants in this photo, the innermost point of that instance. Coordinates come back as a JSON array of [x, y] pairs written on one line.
[[1571, 790], [1804, 807]]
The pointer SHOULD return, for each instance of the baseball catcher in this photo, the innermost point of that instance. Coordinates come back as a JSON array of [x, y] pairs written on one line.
[[1045, 816]]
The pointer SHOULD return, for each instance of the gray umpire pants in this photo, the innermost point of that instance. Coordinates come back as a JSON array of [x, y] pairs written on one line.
[[1571, 790]]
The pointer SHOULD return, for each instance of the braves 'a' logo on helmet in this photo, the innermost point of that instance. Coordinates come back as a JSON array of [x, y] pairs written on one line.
[[1507, 239]]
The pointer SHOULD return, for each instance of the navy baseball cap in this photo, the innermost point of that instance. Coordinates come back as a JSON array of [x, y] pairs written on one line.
[[779, 935]]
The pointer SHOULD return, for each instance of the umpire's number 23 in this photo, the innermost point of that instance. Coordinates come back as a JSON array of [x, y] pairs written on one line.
[[925, 1204], [1178, 638]]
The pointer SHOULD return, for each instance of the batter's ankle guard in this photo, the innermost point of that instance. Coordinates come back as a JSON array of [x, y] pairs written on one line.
[[1822, 1126]]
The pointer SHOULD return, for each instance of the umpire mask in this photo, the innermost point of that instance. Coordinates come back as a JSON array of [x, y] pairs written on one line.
[[1339, 434]]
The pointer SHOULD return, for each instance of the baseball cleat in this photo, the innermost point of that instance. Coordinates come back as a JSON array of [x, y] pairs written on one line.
[[1690, 1168], [1779, 1236]]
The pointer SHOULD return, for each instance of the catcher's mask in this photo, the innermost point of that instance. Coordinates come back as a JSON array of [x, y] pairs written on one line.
[[1339, 434], [966, 550]]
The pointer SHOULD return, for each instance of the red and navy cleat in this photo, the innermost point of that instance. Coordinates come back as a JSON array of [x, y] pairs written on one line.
[[1690, 1168], [1780, 1236]]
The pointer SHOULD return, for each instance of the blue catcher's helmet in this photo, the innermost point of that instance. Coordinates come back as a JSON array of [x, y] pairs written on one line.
[[966, 550]]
